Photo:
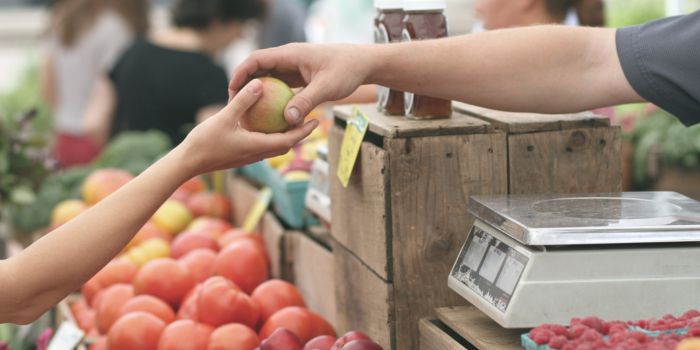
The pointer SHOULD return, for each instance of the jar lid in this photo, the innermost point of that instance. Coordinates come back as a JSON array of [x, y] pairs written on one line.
[[388, 4], [423, 5]]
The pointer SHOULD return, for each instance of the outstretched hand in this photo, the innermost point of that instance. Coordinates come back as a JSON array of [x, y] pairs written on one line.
[[324, 72]]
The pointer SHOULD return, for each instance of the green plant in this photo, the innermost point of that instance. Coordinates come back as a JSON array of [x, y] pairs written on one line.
[[622, 13]]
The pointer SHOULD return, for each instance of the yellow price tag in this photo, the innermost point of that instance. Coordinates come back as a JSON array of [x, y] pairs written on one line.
[[258, 209], [352, 140]]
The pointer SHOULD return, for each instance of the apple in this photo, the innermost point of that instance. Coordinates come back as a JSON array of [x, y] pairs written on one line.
[[348, 337], [281, 339], [267, 114], [323, 342], [65, 211], [362, 344]]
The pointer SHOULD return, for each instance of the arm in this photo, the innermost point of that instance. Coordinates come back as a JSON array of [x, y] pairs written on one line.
[[97, 120], [60, 262], [546, 69], [47, 81]]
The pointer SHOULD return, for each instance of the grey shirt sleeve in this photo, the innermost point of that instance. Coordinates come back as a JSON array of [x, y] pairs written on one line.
[[661, 61]]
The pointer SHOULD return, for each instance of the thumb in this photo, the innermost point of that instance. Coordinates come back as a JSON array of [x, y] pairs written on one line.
[[305, 101], [245, 98]]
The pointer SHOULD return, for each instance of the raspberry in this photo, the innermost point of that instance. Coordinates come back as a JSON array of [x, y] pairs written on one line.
[[593, 322], [577, 330], [556, 328], [690, 314], [557, 342], [638, 336], [591, 335], [617, 328], [694, 332], [541, 336]]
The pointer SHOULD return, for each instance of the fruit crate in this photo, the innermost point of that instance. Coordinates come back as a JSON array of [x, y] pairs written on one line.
[[288, 197], [399, 224]]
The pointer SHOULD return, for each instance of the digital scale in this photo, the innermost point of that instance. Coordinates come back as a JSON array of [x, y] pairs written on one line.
[[318, 199], [535, 259]]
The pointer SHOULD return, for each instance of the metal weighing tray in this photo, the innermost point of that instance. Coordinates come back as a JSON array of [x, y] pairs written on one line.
[[606, 218]]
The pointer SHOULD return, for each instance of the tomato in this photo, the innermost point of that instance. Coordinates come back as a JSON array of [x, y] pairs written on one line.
[[244, 263], [150, 304], [149, 231], [136, 331], [165, 279], [274, 295], [119, 270], [233, 336], [300, 321], [99, 344], [235, 234], [84, 315], [200, 263], [102, 183], [90, 290], [194, 185], [221, 302], [212, 226], [109, 305], [188, 309], [185, 335], [189, 241], [210, 204]]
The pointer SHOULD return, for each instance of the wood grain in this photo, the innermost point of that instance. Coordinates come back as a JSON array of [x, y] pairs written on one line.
[[242, 195], [478, 329], [568, 161], [433, 336], [359, 211], [365, 301], [518, 123], [399, 126], [313, 270], [273, 237], [431, 181]]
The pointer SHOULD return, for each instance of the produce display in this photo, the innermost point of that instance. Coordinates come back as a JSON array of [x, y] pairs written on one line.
[[668, 332], [189, 280]]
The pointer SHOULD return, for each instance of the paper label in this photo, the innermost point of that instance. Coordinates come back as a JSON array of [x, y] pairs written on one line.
[[67, 337], [352, 141]]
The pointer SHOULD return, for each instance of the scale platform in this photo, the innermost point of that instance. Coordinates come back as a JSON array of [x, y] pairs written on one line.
[[534, 259]]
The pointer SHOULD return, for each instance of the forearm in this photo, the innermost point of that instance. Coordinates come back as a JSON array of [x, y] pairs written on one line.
[[545, 69], [60, 262]]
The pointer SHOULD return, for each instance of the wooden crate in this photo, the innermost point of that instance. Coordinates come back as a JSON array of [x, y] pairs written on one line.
[[466, 327], [243, 195], [403, 217], [679, 180], [576, 153], [312, 271]]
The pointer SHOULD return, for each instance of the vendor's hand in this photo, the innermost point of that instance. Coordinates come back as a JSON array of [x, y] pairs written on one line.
[[326, 73], [221, 143]]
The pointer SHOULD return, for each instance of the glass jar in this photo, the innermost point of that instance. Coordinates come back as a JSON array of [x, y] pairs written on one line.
[[388, 28], [425, 19]]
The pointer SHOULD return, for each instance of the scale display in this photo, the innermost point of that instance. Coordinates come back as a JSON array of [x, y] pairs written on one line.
[[490, 268]]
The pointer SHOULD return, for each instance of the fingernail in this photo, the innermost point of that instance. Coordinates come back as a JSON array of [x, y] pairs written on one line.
[[294, 114], [255, 86]]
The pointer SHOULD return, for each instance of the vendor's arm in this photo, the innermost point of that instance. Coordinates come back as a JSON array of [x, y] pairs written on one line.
[[56, 265]]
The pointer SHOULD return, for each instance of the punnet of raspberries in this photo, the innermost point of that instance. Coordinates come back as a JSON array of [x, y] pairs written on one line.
[[589, 333]]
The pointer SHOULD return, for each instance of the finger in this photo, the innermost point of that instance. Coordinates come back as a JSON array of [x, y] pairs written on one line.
[[244, 99], [282, 142], [305, 101], [275, 59]]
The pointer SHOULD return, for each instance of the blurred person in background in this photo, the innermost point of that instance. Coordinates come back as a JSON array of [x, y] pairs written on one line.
[[170, 80], [86, 39], [499, 14], [283, 24]]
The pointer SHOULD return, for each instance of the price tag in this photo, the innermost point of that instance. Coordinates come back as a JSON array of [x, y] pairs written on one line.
[[352, 140], [67, 337], [258, 209]]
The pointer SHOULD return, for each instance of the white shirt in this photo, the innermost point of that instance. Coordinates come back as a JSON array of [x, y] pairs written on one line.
[[77, 67]]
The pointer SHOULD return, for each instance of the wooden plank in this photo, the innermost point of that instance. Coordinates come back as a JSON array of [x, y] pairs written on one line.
[[431, 181], [313, 270], [242, 194], [518, 123], [434, 336], [273, 236], [399, 126], [478, 329], [359, 211], [569, 161], [365, 301]]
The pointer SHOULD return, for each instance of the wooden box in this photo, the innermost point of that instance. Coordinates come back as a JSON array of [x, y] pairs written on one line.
[[401, 221], [243, 195], [312, 270], [461, 328]]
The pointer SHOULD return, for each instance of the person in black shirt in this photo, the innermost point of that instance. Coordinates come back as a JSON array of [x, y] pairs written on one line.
[[170, 81]]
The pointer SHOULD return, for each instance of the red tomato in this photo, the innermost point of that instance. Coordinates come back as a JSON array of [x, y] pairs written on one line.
[[300, 321], [84, 315], [136, 331], [109, 305], [119, 270], [149, 231], [200, 263], [274, 295], [211, 226], [188, 309], [99, 344], [185, 335], [244, 263], [90, 290], [189, 241], [235, 234], [233, 336], [150, 304], [165, 279], [210, 204], [221, 302]]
